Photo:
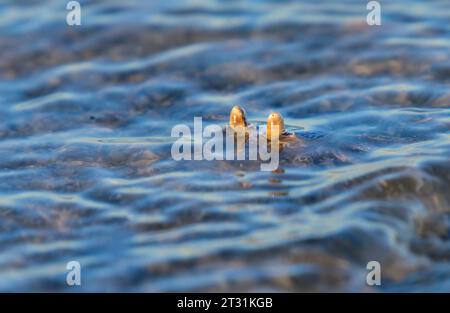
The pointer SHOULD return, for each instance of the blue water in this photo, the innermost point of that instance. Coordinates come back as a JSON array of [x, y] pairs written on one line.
[[86, 172]]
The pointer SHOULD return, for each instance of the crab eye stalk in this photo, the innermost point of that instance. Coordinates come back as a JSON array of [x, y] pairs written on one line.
[[237, 117], [275, 125]]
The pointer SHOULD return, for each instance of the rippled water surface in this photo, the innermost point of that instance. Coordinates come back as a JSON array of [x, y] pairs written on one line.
[[86, 172]]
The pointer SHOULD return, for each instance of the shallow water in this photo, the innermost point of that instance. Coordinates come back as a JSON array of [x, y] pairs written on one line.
[[86, 171]]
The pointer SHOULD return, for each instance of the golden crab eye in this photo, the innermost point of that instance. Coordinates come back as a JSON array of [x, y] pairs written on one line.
[[237, 117], [275, 125]]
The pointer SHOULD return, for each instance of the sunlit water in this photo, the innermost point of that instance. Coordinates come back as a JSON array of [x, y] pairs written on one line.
[[86, 172]]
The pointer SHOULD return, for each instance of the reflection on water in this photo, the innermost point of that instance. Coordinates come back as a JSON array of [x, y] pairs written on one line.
[[85, 165]]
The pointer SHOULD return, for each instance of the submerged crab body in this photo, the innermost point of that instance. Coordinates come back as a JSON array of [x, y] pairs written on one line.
[[296, 148]]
